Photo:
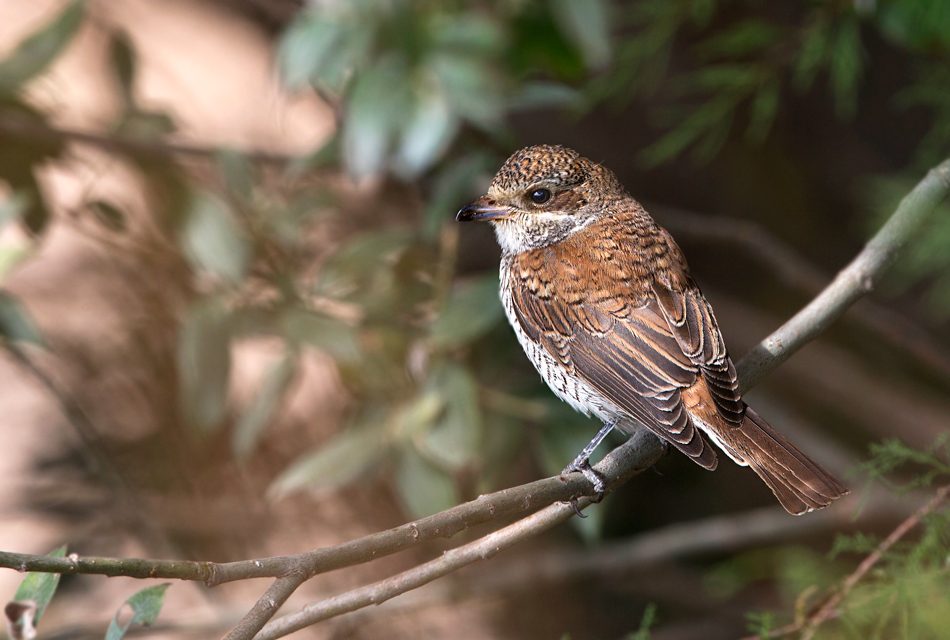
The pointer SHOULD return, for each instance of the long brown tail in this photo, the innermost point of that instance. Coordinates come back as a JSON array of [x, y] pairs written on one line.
[[799, 483]]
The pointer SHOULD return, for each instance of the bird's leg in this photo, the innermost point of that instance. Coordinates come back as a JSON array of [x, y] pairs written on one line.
[[582, 463]]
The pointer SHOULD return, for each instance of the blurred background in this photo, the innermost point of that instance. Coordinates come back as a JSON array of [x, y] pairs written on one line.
[[241, 321]]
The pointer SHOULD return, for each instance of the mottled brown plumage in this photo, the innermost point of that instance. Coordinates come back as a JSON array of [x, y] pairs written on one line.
[[602, 301]]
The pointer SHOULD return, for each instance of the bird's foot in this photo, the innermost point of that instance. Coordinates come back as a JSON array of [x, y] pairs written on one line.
[[596, 480]]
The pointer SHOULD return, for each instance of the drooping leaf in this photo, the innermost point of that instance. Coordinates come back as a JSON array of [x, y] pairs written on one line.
[[471, 310], [145, 604], [453, 440], [40, 587], [212, 238], [428, 132], [471, 86], [585, 22], [304, 47], [846, 65], [123, 62], [374, 113], [255, 418], [333, 336], [15, 322], [204, 360], [338, 462], [764, 107], [38, 50], [423, 488]]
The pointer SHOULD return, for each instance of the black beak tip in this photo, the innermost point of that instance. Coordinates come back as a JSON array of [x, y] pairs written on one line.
[[466, 213]]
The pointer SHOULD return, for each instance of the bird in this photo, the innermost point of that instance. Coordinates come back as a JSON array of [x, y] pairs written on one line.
[[603, 303]]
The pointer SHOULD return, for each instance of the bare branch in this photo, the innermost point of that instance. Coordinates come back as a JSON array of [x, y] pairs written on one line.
[[272, 600], [857, 279], [639, 453], [441, 525]]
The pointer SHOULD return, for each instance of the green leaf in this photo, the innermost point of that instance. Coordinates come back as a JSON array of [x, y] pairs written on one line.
[[764, 108], [15, 322], [204, 360], [359, 259], [212, 238], [423, 488], [811, 56], [374, 113], [453, 440], [40, 587], [471, 310], [471, 86], [256, 417], [14, 207], [428, 133], [543, 95], [305, 47], [110, 216], [584, 22], [846, 67], [746, 37], [344, 458], [146, 605], [38, 50], [124, 62], [333, 336], [416, 416]]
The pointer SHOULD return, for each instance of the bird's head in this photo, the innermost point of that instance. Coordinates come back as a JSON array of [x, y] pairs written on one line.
[[541, 195]]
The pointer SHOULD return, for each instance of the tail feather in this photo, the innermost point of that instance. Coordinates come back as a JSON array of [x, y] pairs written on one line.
[[799, 483]]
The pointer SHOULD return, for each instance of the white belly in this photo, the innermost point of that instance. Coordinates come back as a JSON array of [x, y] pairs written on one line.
[[568, 388]]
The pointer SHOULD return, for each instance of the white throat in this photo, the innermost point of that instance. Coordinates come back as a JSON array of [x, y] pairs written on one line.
[[527, 231]]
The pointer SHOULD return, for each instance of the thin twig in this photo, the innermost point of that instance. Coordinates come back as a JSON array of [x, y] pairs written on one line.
[[857, 279], [29, 128], [832, 603], [829, 607]]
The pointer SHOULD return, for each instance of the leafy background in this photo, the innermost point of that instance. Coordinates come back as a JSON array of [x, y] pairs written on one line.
[[331, 267]]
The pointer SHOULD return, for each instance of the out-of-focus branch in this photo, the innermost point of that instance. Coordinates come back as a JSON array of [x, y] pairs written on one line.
[[27, 128], [795, 271], [857, 279]]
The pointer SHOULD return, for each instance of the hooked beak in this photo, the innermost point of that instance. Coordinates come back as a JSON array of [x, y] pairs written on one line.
[[482, 209]]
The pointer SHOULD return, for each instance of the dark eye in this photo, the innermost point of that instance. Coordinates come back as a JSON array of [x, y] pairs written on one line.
[[540, 196]]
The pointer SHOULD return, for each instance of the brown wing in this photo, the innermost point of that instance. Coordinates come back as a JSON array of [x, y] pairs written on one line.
[[626, 350]]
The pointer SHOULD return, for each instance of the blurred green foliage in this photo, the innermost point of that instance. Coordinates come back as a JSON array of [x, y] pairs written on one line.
[[423, 92]]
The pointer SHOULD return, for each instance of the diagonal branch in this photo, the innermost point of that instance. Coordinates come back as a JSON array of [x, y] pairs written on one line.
[[857, 279]]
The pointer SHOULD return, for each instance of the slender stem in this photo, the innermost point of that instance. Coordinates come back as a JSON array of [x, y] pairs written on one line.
[[272, 600]]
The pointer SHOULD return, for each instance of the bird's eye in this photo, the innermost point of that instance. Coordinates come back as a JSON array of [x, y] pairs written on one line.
[[540, 196]]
